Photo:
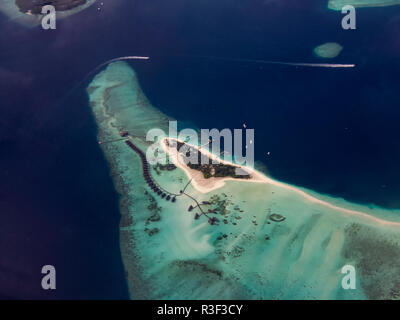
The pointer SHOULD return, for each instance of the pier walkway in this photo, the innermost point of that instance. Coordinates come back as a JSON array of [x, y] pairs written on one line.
[[165, 194]]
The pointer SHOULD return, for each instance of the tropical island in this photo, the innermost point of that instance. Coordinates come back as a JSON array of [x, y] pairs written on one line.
[[29, 12], [339, 4], [35, 7], [328, 50], [206, 165]]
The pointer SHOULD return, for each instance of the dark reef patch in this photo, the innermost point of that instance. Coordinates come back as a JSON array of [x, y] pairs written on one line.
[[377, 260]]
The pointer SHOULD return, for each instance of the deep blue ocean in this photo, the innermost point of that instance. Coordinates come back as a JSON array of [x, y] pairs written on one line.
[[334, 131]]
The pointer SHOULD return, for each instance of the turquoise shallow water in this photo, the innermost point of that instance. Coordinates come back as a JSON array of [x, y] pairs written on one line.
[[249, 255]]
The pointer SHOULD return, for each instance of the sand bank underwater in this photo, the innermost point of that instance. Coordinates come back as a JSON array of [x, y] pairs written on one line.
[[169, 255]]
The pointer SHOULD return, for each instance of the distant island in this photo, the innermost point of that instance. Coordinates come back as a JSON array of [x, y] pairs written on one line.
[[35, 7], [29, 12], [328, 50]]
